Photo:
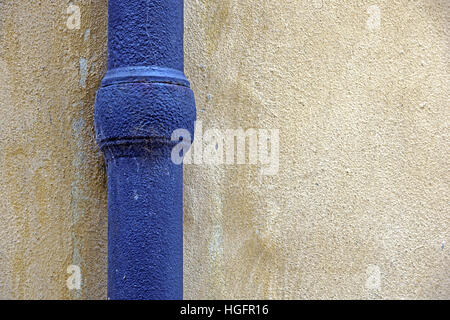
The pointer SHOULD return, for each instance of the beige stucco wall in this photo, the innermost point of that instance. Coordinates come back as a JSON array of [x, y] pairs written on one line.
[[359, 206], [52, 180]]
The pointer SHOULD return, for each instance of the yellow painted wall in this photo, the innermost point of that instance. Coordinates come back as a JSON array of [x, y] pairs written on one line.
[[359, 207], [52, 180]]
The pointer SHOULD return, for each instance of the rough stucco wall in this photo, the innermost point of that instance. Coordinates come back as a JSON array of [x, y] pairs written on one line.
[[358, 208], [52, 182]]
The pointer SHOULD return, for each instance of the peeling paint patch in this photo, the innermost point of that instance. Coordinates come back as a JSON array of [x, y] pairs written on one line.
[[216, 244], [87, 34], [83, 72]]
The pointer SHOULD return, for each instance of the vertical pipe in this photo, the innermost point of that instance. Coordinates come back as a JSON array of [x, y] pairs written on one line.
[[143, 98]]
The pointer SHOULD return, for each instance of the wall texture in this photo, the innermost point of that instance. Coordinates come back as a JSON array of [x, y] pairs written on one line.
[[359, 206], [52, 180]]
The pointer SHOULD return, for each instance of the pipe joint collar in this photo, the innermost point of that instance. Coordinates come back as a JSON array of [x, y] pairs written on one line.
[[142, 113], [150, 74]]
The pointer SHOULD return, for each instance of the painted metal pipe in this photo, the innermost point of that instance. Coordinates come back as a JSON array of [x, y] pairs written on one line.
[[143, 98]]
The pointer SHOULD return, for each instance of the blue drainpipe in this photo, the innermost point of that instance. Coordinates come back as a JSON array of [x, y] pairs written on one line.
[[143, 98]]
